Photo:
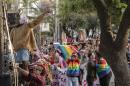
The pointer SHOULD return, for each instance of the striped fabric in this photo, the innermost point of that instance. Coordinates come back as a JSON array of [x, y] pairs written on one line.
[[67, 51], [103, 68], [73, 67]]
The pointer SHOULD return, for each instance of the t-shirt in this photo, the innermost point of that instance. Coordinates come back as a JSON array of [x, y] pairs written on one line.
[[63, 79], [73, 67], [55, 75], [59, 76]]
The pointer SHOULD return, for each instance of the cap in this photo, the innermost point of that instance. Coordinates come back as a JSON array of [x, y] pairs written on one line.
[[23, 19]]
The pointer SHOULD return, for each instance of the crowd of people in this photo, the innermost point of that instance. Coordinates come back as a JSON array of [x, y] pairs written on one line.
[[47, 65], [52, 64]]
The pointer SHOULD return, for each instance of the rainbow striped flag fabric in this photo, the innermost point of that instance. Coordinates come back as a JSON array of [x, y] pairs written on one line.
[[103, 68], [67, 50]]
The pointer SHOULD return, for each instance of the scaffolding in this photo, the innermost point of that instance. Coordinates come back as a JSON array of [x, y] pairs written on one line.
[[8, 74]]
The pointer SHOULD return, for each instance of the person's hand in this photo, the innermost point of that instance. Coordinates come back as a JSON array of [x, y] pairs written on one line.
[[47, 10], [46, 6], [40, 61]]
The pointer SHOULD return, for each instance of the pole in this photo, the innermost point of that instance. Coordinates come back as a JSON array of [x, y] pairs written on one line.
[[57, 32]]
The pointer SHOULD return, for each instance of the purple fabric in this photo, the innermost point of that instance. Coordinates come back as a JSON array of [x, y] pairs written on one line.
[[37, 56]]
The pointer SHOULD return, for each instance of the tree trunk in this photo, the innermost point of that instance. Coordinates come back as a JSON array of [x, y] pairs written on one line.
[[120, 68], [118, 54], [1, 38], [105, 24], [115, 50]]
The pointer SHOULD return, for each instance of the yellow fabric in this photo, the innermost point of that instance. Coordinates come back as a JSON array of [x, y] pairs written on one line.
[[23, 37], [70, 51]]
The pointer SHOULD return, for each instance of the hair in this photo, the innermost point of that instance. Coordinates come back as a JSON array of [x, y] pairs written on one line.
[[98, 54], [51, 43], [89, 54], [43, 71]]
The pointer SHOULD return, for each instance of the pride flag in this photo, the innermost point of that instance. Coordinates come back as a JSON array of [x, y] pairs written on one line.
[[67, 50]]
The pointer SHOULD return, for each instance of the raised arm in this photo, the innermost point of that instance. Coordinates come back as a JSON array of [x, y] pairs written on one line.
[[24, 72], [38, 20]]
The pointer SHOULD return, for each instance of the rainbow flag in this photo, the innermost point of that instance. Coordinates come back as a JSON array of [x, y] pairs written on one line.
[[103, 68], [67, 50]]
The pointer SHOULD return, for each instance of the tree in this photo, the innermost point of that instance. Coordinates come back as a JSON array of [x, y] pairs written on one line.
[[109, 12], [73, 14], [115, 50], [1, 37]]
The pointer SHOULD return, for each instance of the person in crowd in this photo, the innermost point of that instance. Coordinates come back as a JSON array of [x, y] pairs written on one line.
[[47, 67], [55, 72], [51, 55], [35, 76], [91, 70], [83, 64], [62, 63], [73, 70], [103, 70], [22, 36], [45, 49], [34, 56]]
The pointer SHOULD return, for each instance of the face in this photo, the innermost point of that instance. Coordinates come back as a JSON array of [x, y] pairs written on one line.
[[83, 52], [23, 19], [38, 70], [74, 56], [56, 58], [86, 51]]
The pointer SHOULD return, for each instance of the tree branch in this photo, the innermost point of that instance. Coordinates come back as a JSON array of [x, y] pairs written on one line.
[[105, 22], [123, 32], [108, 2]]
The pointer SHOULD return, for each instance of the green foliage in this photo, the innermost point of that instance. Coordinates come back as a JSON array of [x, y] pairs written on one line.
[[92, 22], [73, 13], [116, 11], [77, 13], [119, 4]]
